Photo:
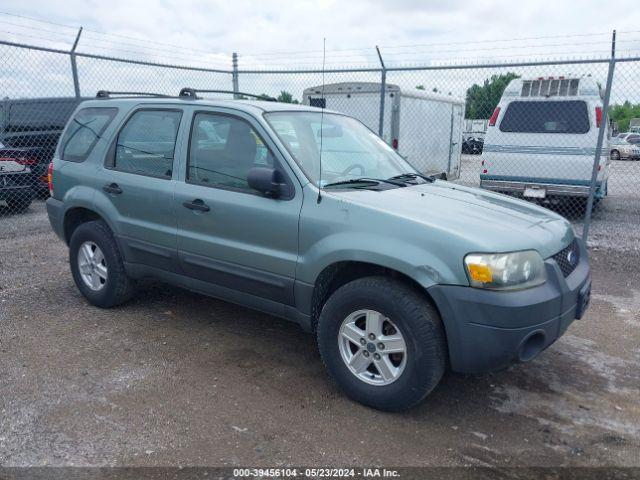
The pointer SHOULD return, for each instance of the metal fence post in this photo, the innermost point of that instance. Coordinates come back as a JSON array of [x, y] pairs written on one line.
[[383, 87], [604, 124], [74, 66], [234, 75]]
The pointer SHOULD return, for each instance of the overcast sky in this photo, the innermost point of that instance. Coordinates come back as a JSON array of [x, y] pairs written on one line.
[[289, 34], [257, 27]]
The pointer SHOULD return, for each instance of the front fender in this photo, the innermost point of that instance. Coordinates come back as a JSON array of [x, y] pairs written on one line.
[[388, 251]]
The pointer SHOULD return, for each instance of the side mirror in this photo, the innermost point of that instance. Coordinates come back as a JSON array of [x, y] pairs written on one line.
[[267, 181]]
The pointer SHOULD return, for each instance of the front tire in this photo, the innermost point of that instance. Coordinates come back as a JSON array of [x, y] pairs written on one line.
[[615, 155], [382, 342], [96, 266]]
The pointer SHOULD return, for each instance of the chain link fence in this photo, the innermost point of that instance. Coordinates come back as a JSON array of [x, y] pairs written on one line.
[[538, 130]]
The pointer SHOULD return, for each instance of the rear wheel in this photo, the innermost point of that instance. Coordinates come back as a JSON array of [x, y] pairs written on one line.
[[615, 155], [382, 342], [96, 265]]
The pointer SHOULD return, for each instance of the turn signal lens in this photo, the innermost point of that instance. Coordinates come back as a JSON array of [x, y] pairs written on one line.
[[480, 273]]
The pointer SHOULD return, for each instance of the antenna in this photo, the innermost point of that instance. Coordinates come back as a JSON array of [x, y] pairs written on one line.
[[322, 105]]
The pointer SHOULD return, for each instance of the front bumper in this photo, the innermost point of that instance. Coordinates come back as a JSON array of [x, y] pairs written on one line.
[[488, 330]]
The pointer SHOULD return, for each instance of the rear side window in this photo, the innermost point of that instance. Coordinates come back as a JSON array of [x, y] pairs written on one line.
[[546, 117], [146, 144], [84, 130]]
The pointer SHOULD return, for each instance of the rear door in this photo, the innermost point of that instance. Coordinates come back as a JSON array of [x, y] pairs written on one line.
[[542, 141], [138, 184], [228, 234]]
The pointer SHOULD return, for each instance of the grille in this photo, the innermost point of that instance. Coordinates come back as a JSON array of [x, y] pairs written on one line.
[[568, 258]]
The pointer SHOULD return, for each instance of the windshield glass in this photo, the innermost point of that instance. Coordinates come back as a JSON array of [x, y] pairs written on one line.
[[349, 149]]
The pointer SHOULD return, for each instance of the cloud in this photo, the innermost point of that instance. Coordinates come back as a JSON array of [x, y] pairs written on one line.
[[289, 34]]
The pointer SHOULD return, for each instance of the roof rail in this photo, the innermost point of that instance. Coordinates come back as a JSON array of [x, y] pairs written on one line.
[[192, 93], [109, 94]]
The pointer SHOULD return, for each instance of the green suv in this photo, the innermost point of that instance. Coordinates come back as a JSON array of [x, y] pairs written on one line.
[[307, 215]]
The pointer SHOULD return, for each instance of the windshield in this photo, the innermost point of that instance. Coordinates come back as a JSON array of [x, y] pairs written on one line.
[[349, 149]]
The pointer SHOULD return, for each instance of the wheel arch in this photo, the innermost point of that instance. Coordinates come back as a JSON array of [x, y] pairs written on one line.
[[76, 216], [339, 273]]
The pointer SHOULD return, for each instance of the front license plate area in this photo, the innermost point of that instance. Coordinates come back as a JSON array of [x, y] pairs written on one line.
[[535, 192], [583, 300]]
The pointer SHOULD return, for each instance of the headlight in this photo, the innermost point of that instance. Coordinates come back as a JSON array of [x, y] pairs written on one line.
[[505, 271]]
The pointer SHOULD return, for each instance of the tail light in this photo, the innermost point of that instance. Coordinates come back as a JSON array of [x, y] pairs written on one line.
[[50, 178], [598, 116], [494, 117], [394, 143]]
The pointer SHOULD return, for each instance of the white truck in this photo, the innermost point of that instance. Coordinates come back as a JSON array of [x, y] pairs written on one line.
[[425, 128], [541, 139]]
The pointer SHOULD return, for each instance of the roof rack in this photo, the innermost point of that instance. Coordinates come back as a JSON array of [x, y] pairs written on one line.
[[192, 93], [109, 94]]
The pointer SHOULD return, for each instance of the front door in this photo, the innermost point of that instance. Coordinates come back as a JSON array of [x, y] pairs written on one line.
[[228, 234]]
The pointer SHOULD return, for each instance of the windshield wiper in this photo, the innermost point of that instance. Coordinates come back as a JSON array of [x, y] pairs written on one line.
[[375, 181], [413, 176]]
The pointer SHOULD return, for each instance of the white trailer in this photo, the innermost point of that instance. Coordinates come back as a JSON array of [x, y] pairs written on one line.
[[426, 129]]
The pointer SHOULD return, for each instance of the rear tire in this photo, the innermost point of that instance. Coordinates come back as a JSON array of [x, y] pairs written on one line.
[[615, 155], [94, 255], [404, 311]]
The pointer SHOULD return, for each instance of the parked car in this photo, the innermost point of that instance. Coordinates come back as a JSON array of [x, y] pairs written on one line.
[[626, 147], [16, 179], [397, 274], [472, 145], [33, 126], [541, 140]]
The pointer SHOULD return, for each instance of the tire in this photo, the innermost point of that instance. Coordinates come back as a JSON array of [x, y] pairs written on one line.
[[18, 204], [116, 288], [615, 155], [416, 320]]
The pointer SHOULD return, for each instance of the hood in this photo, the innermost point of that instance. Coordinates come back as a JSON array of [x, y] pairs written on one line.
[[491, 222]]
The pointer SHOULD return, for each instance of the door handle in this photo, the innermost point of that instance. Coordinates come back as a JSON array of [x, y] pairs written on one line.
[[112, 188], [197, 205]]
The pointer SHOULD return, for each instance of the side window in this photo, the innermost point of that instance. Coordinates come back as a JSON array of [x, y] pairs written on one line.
[[84, 130], [222, 151], [147, 142]]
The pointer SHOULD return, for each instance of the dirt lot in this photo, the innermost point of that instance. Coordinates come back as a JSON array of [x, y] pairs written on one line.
[[173, 378]]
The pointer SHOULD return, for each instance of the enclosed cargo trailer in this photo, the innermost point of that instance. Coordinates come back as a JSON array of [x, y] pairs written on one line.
[[426, 129]]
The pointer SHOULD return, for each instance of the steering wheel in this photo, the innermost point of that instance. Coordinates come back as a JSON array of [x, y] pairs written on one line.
[[353, 166]]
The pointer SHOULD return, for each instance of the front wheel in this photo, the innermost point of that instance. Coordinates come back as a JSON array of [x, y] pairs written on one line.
[[382, 342], [615, 155]]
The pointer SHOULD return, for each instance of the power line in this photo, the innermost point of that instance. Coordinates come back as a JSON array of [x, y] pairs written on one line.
[[37, 20]]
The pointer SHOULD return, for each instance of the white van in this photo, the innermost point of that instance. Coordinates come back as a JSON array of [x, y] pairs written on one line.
[[541, 139], [425, 128]]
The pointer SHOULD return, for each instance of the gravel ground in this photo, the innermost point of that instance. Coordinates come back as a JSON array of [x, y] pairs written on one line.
[[173, 378]]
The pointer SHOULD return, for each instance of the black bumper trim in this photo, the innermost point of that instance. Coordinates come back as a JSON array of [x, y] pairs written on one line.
[[486, 329]]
